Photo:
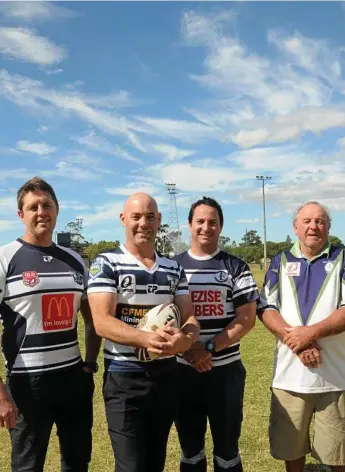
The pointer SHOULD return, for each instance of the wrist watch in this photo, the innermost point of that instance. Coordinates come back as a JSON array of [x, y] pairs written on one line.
[[210, 346], [92, 366]]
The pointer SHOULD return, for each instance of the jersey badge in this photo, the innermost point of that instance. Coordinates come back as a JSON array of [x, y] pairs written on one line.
[[127, 283], [47, 258], [329, 266], [293, 269], [96, 267], [78, 278], [30, 278], [221, 276], [173, 282]]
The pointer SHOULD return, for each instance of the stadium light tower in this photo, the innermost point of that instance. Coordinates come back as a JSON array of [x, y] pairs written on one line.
[[264, 179], [174, 234]]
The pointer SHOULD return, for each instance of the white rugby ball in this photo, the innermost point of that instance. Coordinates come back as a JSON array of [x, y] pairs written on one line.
[[155, 318]]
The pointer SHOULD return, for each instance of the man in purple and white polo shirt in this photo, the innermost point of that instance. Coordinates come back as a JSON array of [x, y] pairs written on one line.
[[303, 304]]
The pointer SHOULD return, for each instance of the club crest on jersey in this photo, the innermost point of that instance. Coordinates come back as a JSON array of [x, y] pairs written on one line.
[[30, 278], [293, 269], [47, 258], [96, 267], [127, 283], [151, 288], [329, 266], [221, 276], [78, 278]]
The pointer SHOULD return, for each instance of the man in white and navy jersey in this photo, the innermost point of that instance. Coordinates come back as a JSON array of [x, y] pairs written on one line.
[[211, 374], [42, 287], [303, 304], [140, 397]]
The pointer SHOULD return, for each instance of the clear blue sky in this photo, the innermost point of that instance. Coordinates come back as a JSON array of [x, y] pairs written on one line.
[[103, 99]]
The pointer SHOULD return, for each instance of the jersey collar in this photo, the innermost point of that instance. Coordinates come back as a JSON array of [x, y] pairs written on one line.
[[203, 258], [296, 251]]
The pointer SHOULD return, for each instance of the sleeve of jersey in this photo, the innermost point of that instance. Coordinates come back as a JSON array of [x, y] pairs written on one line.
[[102, 276], [342, 297], [245, 289], [269, 297], [182, 286], [3, 274]]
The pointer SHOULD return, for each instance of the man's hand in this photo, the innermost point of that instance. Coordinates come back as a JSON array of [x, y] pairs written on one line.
[[8, 412], [310, 356], [199, 358], [174, 341], [299, 337]]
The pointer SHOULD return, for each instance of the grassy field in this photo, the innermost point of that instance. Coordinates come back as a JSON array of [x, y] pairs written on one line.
[[257, 352]]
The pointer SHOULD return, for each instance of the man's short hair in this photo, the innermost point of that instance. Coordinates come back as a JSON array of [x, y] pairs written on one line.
[[36, 184], [312, 202], [211, 202]]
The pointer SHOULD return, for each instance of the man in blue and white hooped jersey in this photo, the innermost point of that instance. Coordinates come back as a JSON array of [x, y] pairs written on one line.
[[303, 304], [42, 287], [211, 374], [124, 283]]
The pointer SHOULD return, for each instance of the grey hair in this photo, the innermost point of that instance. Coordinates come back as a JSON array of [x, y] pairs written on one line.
[[311, 202]]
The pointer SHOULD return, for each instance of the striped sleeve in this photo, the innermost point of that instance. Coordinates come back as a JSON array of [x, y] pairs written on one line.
[[245, 289], [182, 286], [269, 297], [3, 275], [342, 296], [102, 276]]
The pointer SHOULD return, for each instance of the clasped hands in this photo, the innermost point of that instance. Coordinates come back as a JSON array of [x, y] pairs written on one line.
[[300, 340], [168, 341]]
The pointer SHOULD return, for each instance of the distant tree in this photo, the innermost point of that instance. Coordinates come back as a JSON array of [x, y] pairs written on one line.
[[163, 242], [335, 240], [251, 238], [223, 242], [233, 244], [288, 240], [94, 249]]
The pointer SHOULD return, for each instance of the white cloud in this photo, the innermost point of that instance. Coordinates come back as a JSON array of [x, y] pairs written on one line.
[[108, 212], [131, 189], [72, 205], [34, 11], [40, 148], [199, 175], [172, 153], [98, 143], [25, 45], [282, 96], [275, 215], [69, 171], [341, 142], [8, 225], [8, 205], [42, 129], [16, 174], [248, 221]]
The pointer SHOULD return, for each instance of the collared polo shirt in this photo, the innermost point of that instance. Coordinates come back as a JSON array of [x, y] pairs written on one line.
[[306, 292]]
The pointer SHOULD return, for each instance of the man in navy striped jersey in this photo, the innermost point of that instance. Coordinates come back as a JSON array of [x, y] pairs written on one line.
[[140, 397], [42, 287], [211, 374]]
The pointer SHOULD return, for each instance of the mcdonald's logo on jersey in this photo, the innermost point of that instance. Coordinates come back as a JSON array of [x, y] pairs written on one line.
[[57, 311]]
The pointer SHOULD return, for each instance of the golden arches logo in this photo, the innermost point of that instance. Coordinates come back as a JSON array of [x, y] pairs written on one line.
[[59, 304]]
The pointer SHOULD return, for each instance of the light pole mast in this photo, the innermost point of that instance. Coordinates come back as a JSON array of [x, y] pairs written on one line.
[[264, 179]]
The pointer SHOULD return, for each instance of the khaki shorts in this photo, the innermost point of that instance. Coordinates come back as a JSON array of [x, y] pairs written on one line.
[[289, 429]]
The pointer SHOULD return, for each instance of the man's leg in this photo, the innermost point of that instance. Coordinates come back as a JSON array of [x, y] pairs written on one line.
[[225, 389], [73, 418], [291, 415], [30, 437], [191, 420], [329, 438], [127, 399]]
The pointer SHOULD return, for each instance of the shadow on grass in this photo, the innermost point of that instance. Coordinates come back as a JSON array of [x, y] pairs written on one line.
[[316, 468]]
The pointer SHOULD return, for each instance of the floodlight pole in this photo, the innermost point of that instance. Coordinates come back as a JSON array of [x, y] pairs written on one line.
[[264, 179]]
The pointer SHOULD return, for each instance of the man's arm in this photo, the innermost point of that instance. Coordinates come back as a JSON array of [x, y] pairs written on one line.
[[299, 337], [238, 327], [103, 306], [92, 341], [8, 410]]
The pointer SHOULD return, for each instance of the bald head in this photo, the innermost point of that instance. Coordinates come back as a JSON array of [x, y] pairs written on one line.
[[141, 218], [139, 199]]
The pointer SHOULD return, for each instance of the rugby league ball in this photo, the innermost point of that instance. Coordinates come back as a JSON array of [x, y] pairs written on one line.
[[155, 318]]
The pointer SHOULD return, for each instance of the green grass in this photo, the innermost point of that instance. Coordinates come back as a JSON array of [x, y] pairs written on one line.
[[257, 353]]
